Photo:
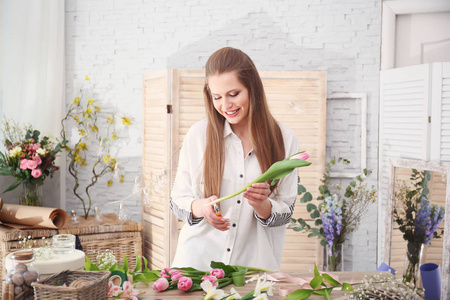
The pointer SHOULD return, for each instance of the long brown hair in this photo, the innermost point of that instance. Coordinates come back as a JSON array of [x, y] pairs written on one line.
[[266, 137]]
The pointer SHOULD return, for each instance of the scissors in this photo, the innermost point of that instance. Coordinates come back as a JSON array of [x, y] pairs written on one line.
[[217, 210]]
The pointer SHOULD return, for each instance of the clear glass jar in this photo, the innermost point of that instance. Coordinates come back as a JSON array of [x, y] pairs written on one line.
[[22, 274]]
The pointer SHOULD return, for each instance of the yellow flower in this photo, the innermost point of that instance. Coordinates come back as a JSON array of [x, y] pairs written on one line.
[[88, 111], [113, 161], [97, 108], [121, 178], [90, 101], [77, 119], [77, 158], [106, 158], [110, 182], [114, 136], [93, 128], [83, 163], [86, 78], [76, 100], [126, 121], [82, 146], [110, 120], [81, 132]]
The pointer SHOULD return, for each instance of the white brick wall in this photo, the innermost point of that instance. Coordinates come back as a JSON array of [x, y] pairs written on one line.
[[115, 42]]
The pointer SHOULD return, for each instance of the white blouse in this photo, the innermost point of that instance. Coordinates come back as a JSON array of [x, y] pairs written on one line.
[[250, 241]]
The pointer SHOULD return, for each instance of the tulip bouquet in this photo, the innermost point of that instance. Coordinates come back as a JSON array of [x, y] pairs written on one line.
[[277, 171], [211, 282]]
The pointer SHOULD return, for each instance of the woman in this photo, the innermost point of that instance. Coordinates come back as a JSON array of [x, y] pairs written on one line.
[[237, 142]]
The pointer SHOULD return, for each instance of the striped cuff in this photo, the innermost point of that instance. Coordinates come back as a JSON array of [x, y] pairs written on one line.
[[276, 219], [183, 214]]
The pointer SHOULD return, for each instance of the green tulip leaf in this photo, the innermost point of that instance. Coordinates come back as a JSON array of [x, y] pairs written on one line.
[[299, 294]]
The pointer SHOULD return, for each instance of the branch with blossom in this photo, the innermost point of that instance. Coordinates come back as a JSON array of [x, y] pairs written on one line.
[[89, 151], [277, 171]]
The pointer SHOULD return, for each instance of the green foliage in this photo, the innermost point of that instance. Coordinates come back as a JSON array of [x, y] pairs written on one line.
[[321, 285], [355, 199], [146, 275]]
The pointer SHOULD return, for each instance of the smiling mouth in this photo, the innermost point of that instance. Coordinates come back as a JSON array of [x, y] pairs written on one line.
[[232, 113]]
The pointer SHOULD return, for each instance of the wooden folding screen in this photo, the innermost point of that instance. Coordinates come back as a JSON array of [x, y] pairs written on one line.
[[173, 101]]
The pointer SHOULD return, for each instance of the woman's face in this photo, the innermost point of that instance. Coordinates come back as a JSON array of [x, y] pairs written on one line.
[[230, 97]]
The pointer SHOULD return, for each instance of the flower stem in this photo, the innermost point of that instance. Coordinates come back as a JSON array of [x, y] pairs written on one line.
[[232, 195]]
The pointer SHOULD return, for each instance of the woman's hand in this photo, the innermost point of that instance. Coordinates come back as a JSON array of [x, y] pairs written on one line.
[[258, 197], [207, 212]]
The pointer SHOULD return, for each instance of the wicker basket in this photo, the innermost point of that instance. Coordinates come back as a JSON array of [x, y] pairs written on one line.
[[95, 290]]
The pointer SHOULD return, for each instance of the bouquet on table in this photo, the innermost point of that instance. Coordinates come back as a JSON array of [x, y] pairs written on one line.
[[418, 220], [28, 159], [337, 213]]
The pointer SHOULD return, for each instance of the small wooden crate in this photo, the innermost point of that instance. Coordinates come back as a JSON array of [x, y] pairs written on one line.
[[96, 289]]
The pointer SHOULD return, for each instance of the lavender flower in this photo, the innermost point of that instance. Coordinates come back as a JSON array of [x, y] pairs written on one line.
[[429, 216], [331, 221]]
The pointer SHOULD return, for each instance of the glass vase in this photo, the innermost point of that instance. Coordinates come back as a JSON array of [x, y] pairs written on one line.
[[32, 194], [334, 258], [413, 261]]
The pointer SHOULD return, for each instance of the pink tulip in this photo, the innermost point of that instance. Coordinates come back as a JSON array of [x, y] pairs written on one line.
[[184, 283], [218, 273], [31, 164], [302, 156], [212, 279], [161, 284], [36, 173], [164, 273], [176, 276], [23, 164]]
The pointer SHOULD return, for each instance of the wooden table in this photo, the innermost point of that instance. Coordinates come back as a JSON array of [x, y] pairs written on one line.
[[247, 288]]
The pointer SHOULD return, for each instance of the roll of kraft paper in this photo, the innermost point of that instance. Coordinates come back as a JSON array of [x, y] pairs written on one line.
[[26, 217]]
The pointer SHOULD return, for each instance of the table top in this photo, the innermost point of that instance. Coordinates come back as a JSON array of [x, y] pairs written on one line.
[[349, 277]]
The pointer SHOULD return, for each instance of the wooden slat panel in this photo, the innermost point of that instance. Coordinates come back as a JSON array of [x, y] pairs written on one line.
[[306, 89]]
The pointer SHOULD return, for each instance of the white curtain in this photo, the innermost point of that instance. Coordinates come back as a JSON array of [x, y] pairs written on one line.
[[32, 79], [33, 63]]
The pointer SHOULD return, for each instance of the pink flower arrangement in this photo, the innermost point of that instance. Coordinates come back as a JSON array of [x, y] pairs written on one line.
[[29, 160]]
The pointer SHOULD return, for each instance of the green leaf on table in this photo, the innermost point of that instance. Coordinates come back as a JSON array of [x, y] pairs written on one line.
[[316, 282], [330, 280], [138, 264], [316, 271], [125, 263], [347, 287], [145, 264], [299, 294], [324, 292]]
